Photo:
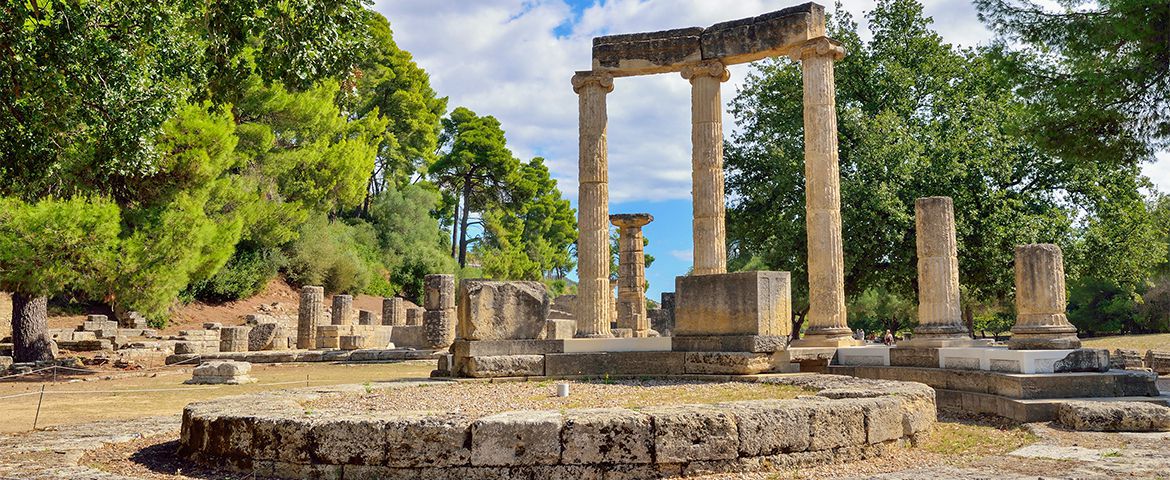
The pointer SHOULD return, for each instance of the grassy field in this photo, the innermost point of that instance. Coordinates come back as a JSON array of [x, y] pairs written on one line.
[[164, 393], [1157, 341]]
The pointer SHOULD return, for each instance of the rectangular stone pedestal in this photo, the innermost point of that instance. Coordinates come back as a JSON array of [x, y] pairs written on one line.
[[624, 363], [746, 303], [729, 343], [873, 355]]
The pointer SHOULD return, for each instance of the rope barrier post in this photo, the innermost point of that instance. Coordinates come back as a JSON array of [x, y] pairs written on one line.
[[37, 417]]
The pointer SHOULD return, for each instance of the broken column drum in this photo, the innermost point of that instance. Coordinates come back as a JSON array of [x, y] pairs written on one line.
[[940, 317], [593, 297], [631, 303], [393, 311], [1040, 300], [439, 320], [342, 311]]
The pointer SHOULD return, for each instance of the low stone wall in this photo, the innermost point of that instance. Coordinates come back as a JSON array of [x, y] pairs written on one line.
[[271, 434], [289, 356]]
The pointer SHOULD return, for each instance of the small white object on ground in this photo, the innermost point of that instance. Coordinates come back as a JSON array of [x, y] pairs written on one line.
[[562, 390]]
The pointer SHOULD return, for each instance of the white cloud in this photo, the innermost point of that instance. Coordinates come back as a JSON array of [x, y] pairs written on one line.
[[1159, 172], [683, 255], [502, 57]]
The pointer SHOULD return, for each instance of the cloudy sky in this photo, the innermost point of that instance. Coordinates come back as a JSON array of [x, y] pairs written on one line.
[[513, 59]]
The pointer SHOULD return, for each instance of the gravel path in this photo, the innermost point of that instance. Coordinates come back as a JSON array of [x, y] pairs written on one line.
[[477, 399]]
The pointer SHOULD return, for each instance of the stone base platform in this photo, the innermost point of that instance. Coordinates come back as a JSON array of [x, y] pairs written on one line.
[[289, 356], [997, 359], [1021, 397], [599, 356]]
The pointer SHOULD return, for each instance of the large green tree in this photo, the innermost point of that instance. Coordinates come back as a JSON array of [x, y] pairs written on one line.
[[529, 234], [917, 117]]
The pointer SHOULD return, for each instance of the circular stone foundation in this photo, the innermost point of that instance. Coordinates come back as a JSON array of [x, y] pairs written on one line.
[[296, 434]]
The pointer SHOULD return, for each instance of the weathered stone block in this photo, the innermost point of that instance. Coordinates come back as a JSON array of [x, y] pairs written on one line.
[[234, 339], [222, 372], [264, 336], [1122, 359], [883, 419], [393, 311], [491, 310], [769, 427], [414, 316], [615, 363], [354, 441], [184, 348], [482, 348], [1084, 360], [1158, 361], [366, 317], [746, 303], [728, 363], [428, 440], [1114, 416], [687, 433], [835, 424], [504, 366], [560, 329], [351, 342], [607, 436], [408, 336], [517, 438], [914, 357]]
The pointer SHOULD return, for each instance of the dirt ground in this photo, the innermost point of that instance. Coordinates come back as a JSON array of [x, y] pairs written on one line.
[[193, 315], [108, 396]]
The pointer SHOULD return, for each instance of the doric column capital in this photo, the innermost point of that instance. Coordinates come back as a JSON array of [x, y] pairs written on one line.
[[818, 47], [710, 68], [584, 79], [630, 220]]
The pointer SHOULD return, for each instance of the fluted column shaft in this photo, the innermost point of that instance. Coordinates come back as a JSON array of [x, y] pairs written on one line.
[[940, 315], [826, 259], [1041, 300], [710, 244], [594, 297]]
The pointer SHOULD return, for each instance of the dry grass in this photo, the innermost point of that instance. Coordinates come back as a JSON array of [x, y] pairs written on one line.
[[476, 399], [1141, 343], [80, 402], [968, 436]]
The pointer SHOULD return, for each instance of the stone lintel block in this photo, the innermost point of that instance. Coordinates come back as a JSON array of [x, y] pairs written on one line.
[[768, 35], [428, 440], [744, 303], [479, 348], [504, 366], [646, 53], [729, 363], [615, 363], [729, 343], [517, 438], [686, 433], [914, 357], [606, 436]]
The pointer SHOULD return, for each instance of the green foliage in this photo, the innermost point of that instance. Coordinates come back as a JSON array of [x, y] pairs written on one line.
[[1096, 74], [528, 236], [333, 254], [57, 246], [410, 237], [878, 310], [244, 275]]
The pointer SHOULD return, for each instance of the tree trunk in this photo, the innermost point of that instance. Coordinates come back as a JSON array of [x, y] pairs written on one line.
[[463, 222], [455, 230], [30, 329], [798, 322], [969, 319]]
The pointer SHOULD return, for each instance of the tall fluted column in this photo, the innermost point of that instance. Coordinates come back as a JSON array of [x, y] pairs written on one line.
[[594, 307], [310, 314], [940, 318], [710, 244], [826, 259], [631, 304], [342, 311], [1040, 301]]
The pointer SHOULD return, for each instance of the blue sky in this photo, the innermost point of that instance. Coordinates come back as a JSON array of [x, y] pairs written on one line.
[[513, 59]]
